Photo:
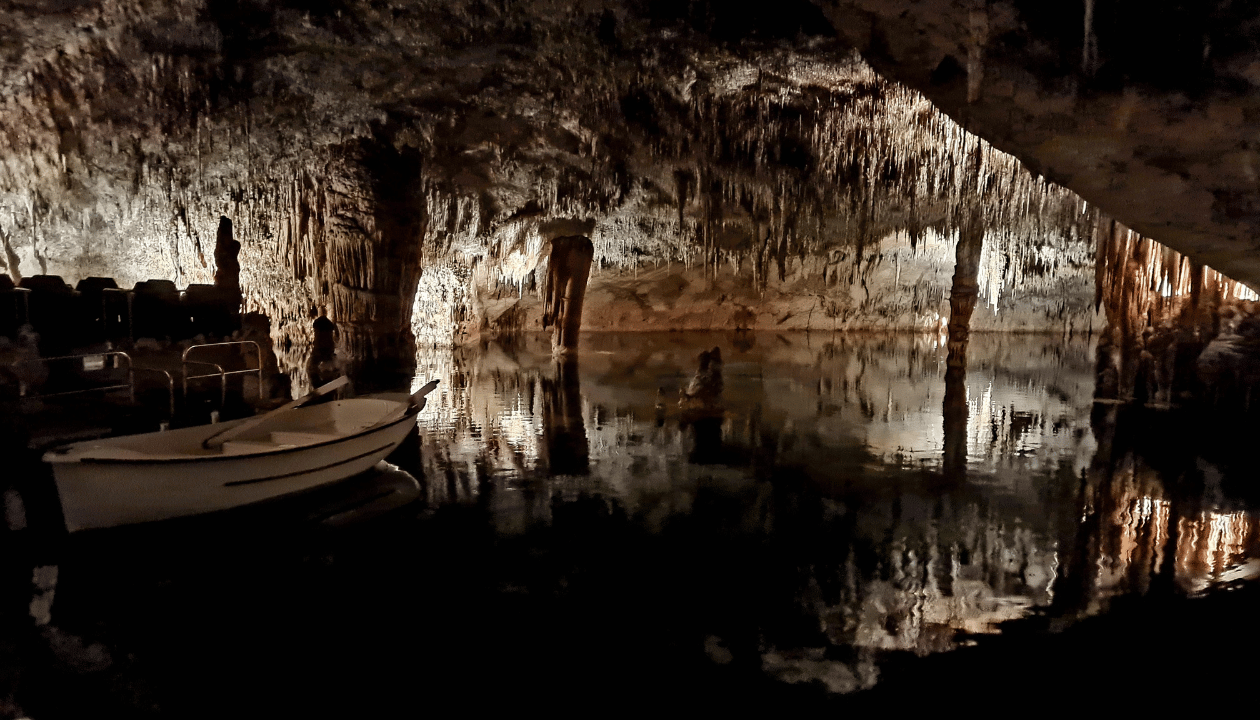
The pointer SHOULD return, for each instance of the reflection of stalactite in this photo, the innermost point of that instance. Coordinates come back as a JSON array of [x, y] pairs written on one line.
[[905, 571], [1140, 525]]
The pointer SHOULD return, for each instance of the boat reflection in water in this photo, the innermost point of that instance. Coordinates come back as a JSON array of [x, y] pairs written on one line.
[[828, 453]]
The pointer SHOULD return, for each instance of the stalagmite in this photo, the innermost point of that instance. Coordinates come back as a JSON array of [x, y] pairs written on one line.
[[567, 272], [227, 272]]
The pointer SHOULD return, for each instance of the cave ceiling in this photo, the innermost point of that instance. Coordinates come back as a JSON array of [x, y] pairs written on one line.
[[124, 119], [1148, 110]]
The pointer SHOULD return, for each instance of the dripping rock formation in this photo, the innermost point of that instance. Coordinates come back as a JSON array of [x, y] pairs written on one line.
[[400, 168], [1148, 111]]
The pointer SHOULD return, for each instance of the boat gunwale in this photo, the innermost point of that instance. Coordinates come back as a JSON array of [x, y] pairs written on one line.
[[308, 471], [408, 414]]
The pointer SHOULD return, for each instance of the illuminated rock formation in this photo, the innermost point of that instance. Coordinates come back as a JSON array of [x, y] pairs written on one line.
[[1149, 115], [1163, 310], [794, 182], [741, 169], [568, 268]]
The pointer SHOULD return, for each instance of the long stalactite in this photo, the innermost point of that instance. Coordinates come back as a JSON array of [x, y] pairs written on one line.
[[1163, 313]]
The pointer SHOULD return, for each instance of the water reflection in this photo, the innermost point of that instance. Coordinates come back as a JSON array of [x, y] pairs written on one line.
[[582, 524], [846, 404], [565, 450], [900, 507]]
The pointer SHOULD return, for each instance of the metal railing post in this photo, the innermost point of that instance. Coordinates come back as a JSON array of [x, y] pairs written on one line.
[[130, 385], [257, 371]]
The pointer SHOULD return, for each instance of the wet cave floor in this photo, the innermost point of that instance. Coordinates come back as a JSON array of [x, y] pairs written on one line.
[[575, 540]]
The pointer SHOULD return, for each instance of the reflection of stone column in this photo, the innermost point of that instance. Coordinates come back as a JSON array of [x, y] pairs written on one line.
[[962, 302], [564, 432], [954, 462], [707, 433], [567, 272]]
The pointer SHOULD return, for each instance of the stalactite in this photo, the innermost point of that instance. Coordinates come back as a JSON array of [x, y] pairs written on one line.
[[813, 149], [1162, 311]]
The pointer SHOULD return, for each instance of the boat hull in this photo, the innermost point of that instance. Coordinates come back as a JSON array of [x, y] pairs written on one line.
[[109, 492]]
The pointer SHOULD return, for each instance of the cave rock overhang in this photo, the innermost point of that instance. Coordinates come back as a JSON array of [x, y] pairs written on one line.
[[1150, 116], [1149, 113]]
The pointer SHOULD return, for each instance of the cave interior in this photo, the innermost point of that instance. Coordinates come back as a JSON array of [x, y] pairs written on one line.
[[971, 288]]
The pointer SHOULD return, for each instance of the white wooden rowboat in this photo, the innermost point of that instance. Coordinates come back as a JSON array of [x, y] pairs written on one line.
[[156, 476]]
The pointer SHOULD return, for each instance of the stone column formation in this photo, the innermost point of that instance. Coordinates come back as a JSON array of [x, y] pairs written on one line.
[[567, 272], [962, 302], [227, 271]]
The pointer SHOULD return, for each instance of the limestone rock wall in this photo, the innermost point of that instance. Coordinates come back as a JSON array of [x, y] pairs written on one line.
[[905, 287], [397, 167]]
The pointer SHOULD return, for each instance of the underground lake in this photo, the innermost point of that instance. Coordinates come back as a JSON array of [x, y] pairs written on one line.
[[576, 534]]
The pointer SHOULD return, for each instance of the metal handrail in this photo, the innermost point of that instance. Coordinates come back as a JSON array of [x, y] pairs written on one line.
[[220, 374], [130, 385], [170, 386], [257, 370]]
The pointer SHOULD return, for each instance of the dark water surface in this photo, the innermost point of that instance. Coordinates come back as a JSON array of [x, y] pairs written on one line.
[[578, 542]]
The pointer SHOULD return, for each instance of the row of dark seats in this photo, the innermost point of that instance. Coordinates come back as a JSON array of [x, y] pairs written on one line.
[[97, 310]]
